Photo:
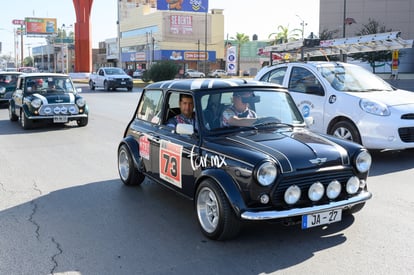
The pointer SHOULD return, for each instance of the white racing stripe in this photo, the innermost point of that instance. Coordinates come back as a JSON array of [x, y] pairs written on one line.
[[42, 98]]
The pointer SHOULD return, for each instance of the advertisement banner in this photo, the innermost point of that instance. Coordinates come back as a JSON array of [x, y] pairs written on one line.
[[181, 24], [231, 60], [40, 25], [183, 5]]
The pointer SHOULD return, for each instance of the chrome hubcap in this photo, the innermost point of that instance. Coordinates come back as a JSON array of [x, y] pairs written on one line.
[[208, 210], [123, 165]]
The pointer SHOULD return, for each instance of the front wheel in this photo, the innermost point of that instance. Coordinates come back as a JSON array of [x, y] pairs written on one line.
[[346, 130], [106, 86], [25, 121], [83, 121], [126, 168], [216, 218]]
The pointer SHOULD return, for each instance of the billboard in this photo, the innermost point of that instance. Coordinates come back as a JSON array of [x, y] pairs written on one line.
[[40, 25], [183, 5]]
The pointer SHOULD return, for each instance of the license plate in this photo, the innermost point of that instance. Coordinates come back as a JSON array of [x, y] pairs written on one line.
[[123, 82], [321, 218], [60, 119]]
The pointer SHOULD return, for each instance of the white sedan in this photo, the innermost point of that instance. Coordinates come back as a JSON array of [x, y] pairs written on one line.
[[349, 102], [190, 73]]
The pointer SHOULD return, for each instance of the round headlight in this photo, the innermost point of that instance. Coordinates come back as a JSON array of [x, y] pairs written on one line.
[[352, 185], [2, 90], [292, 194], [266, 174], [363, 161], [36, 103], [334, 189], [316, 191], [80, 102]]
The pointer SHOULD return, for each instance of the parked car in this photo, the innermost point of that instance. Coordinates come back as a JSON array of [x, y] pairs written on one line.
[[190, 73], [47, 97], [8, 81], [217, 73], [274, 170], [110, 78], [349, 102], [138, 73]]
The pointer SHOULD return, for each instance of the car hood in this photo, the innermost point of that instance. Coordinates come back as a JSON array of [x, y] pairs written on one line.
[[391, 98], [305, 149], [55, 98]]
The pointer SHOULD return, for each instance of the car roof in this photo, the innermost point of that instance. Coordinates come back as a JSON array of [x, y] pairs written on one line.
[[10, 73], [42, 75], [208, 83]]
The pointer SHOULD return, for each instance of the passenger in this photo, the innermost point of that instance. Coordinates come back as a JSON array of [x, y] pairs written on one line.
[[186, 115], [239, 114]]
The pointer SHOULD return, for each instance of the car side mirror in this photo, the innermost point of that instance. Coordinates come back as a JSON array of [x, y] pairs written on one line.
[[184, 129], [309, 121]]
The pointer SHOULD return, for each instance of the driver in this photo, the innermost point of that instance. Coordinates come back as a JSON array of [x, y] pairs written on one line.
[[239, 114]]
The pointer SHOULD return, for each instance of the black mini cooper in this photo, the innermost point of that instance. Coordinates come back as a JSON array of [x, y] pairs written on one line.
[[47, 97], [273, 169]]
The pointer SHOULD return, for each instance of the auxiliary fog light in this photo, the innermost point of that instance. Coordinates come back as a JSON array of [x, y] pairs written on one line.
[[292, 194], [264, 199], [352, 185], [316, 191], [333, 190]]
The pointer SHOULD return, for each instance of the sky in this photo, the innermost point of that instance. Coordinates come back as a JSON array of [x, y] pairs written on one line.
[[261, 17]]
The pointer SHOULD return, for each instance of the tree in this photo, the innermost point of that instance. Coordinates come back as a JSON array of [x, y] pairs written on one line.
[[164, 70], [373, 27], [241, 39], [285, 35]]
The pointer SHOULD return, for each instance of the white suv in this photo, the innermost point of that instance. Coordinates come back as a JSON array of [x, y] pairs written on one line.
[[349, 102]]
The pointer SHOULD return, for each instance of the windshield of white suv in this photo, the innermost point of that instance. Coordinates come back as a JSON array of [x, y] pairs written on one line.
[[352, 79]]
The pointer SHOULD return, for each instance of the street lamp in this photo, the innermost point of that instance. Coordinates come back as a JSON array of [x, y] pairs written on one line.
[[303, 24], [65, 46]]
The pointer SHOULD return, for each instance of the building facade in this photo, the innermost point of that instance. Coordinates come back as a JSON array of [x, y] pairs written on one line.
[[349, 16], [152, 31]]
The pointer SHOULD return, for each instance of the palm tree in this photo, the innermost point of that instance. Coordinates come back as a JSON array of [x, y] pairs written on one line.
[[285, 35], [241, 38]]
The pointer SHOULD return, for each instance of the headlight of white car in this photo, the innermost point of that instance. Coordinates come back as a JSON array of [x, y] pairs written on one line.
[[374, 107], [36, 103], [266, 173], [363, 161]]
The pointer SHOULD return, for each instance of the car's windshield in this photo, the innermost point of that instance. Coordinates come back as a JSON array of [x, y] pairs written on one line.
[[114, 71], [266, 104], [49, 84], [352, 78]]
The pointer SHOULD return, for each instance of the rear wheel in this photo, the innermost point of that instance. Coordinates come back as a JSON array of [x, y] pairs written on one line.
[[126, 168], [346, 130], [91, 85], [216, 218], [12, 115]]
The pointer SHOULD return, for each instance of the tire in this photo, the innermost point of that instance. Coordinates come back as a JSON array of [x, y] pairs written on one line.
[[106, 86], [12, 115], [129, 89], [346, 130], [82, 121], [25, 121], [126, 168], [91, 85], [215, 216]]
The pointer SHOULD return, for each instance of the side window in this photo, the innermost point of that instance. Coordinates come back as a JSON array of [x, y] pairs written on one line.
[[149, 108], [173, 107], [277, 76], [303, 81]]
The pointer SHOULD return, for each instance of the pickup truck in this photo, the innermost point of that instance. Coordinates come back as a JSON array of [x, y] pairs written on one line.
[[110, 78]]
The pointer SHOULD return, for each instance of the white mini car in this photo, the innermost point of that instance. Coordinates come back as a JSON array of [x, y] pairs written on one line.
[[349, 102]]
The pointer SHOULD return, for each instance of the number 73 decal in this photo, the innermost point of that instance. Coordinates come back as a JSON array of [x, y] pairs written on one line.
[[170, 162]]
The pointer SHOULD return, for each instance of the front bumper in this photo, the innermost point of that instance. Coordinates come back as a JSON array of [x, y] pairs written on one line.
[[272, 215], [69, 117]]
